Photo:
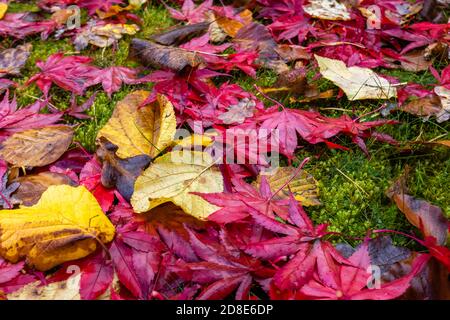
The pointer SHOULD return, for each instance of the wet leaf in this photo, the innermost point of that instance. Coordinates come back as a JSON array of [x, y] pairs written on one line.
[[66, 224], [172, 177], [140, 130]]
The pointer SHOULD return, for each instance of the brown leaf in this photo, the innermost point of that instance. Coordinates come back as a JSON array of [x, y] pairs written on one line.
[[415, 61], [428, 218], [158, 56], [119, 173], [179, 35], [427, 106], [13, 59], [36, 147], [33, 186], [290, 52]]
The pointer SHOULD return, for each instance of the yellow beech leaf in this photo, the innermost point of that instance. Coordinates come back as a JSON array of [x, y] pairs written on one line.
[[327, 10], [3, 9], [66, 224], [137, 130], [303, 186], [358, 83], [172, 177]]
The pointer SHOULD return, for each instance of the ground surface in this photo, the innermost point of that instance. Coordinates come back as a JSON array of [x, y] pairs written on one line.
[[352, 186]]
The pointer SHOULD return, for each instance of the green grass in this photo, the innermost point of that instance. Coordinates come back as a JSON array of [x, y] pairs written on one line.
[[352, 185]]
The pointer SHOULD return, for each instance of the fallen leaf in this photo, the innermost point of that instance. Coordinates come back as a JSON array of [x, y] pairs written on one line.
[[120, 173], [237, 113], [66, 224], [172, 177], [444, 95], [358, 83], [179, 35], [287, 180], [327, 9], [415, 61], [425, 107], [140, 130], [36, 147], [3, 9], [160, 57], [232, 26], [430, 219], [14, 59], [33, 186], [7, 201], [104, 35]]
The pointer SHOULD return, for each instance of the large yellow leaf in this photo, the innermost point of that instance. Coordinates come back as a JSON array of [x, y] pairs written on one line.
[[302, 185], [172, 177], [358, 83], [66, 224], [139, 130]]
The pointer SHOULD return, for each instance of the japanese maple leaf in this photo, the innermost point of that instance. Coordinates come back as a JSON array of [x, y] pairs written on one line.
[[13, 119], [237, 204], [97, 274], [90, 177], [9, 271], [73, 73], [21, 25], [274, 8], [243, 60], [93, 5], [222, 272], [204, 48], [302, 240], [287, 28], [112, 78], [352, 281], [190, 13]]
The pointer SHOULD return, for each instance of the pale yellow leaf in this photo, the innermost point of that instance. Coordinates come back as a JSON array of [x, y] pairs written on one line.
[[137, 130], [66, 224], [327, 9], [358, 83], [171, 178]]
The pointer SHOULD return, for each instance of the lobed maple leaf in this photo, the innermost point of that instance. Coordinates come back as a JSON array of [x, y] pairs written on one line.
[[190, 13], [112, 78], [21, 25], [73, 73]]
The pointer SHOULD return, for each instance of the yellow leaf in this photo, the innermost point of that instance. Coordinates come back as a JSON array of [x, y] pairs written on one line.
[[303, 186], [231, 26], [172, 177], [194, 140], [3, 9], [327, 10], [358, 83], [139, 130], [66, 224]]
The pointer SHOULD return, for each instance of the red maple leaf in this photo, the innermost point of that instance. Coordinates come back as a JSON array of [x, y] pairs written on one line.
[[190, 13], [73, 73], [112, 78], [21, 25]]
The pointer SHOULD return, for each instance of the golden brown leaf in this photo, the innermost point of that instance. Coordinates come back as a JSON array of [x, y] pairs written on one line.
[[139, 130], [66, 224], [232, 26], [36, 147]]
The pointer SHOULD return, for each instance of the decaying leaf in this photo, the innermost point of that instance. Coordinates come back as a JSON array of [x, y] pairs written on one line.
[[138, 130], [444, 95], [36, 147], [66, 224], [415, 61], [327, 9], [13, 59], [104, 35], [159, 56], [120, 173], [237, 113], [424, 107], [7, 201], [428, 218], [358, 83], [172, 177], [301, 184], [68, 289], [33, 186], [181, 34]]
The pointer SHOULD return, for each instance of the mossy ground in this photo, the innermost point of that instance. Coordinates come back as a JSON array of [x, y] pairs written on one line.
[[352, 185]]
